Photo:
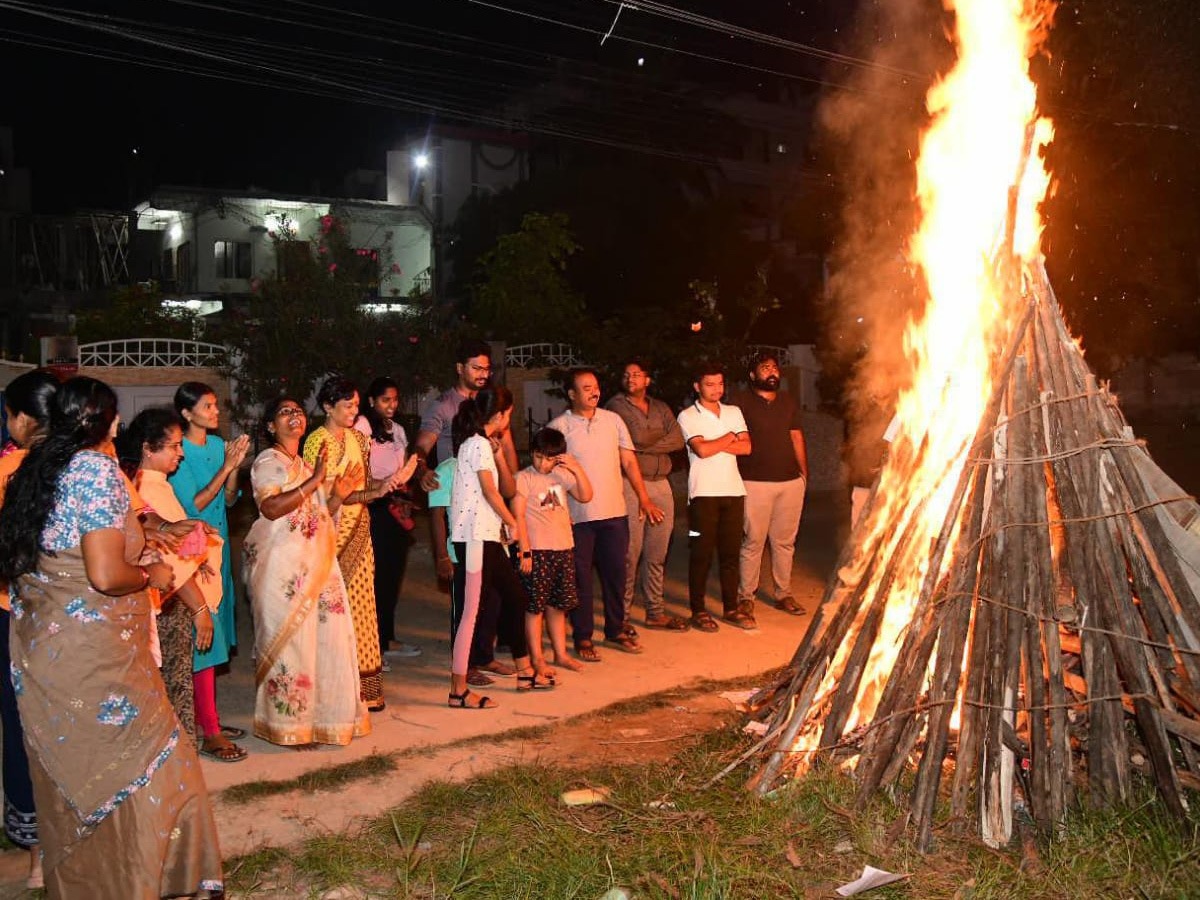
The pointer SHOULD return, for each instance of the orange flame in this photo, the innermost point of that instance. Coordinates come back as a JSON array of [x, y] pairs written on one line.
[[976, 148]]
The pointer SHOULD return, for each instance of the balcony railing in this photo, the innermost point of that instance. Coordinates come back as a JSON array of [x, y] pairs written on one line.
[[155, 352], [524, 356]]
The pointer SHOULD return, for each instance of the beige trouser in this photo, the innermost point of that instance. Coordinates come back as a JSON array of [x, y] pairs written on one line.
[[649, 542], [773, 511]]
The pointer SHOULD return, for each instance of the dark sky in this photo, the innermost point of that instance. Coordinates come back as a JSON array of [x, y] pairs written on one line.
[[201, 90]]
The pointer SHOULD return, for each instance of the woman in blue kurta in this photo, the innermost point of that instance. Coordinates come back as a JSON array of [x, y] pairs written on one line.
[[206, 482]]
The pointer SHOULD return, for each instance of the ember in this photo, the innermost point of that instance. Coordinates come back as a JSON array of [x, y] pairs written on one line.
[[1023, 577]]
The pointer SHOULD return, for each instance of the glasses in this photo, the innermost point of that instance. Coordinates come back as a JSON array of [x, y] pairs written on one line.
[[288, 411]]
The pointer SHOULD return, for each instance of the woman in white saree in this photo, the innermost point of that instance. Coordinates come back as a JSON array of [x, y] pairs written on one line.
[[306, 672]]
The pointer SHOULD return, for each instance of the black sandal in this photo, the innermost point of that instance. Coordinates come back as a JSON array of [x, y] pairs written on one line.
[[459, 701], [531, 682]]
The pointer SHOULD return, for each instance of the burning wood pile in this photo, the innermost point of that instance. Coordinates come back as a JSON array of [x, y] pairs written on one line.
[[1059, 604], [1019, 595]]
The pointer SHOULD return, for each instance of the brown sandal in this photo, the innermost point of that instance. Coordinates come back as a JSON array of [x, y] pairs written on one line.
[[702, 621], [229, 752], [586, 651]]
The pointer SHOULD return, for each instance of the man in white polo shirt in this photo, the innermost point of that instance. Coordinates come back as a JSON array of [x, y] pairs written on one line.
[[716, 436], [600, 440]]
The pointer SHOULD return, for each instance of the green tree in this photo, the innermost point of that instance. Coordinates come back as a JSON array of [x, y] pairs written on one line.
[[136, 311], [521, 294]]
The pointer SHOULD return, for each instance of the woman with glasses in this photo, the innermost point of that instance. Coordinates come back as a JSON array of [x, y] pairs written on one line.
[[306, 674]]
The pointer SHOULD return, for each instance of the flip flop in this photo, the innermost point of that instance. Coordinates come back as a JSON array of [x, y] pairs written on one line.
[[232, 732], [228, 754], [586, 651]]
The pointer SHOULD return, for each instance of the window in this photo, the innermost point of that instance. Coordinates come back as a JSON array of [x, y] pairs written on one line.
[[232, 259]]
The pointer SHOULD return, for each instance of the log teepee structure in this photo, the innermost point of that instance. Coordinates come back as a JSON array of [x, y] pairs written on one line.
[[1054, 645]]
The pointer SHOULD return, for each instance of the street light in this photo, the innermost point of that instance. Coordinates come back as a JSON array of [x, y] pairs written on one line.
[[421, 161]]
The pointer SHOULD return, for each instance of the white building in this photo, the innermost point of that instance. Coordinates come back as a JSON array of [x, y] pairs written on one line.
[[214, 245]]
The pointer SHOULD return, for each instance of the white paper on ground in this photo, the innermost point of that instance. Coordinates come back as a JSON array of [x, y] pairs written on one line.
[[870, 878]]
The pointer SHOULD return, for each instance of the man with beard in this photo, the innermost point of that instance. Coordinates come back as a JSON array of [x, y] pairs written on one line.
[[474, 370], [775, 474]]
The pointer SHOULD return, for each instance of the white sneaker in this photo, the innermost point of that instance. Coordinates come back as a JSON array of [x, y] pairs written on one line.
[[401, 650]]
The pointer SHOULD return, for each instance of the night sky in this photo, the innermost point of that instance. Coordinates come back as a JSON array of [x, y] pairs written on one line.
[[289, 95]]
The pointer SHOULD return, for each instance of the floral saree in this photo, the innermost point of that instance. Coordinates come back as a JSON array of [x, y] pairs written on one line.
[[306, 676]]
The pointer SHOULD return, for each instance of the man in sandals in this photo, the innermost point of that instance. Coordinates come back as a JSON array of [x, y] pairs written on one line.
[[656, 435], [599, 440], [775, 475], [716, 436]]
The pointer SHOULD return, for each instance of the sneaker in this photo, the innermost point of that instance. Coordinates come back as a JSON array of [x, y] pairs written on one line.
[[403, 650]]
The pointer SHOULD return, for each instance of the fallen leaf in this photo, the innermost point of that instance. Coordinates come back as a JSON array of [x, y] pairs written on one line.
[[749, 841], [793, 856]]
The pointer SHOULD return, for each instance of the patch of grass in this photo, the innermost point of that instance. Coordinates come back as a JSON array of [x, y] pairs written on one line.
[[325, 779], [664, 835]]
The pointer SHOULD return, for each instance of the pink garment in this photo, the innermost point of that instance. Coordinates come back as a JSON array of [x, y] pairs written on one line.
[[460, 661], [204, 684]]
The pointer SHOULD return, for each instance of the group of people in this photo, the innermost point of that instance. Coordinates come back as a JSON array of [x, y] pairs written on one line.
[[596, 501], [119, 543]]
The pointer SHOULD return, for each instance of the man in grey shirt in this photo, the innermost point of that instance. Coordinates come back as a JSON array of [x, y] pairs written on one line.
[[655, 434]]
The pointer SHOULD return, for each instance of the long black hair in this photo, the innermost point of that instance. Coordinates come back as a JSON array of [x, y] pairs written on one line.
[[150, 427], [188, 394], [82, 415], [381, 428], [32, 394], [474, 413]]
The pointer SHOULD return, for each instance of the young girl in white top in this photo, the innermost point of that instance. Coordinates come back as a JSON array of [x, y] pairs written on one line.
[[477, 519]]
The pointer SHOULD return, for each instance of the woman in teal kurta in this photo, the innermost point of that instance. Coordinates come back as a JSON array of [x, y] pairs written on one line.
[[205, 484]]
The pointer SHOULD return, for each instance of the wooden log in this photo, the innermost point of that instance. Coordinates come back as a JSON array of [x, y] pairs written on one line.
[[850, 677], [1042, 589], [1075, 483]]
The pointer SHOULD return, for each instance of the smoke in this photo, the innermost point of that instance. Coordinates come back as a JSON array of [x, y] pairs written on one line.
[[868, 134]]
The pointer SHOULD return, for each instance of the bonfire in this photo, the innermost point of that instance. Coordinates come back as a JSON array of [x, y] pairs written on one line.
[[1016, 609]]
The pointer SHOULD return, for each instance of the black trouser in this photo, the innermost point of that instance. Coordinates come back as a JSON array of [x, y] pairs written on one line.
[[391, 542], [714, 523], [20, 818], [502, 604]]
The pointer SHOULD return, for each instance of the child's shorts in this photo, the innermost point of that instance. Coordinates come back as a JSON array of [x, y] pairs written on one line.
[[552, 582]]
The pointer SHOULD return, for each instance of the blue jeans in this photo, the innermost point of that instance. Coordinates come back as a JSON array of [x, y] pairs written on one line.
[[604, 544]]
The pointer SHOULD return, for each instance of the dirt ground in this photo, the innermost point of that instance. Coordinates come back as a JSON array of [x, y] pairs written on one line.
[[417, 719]]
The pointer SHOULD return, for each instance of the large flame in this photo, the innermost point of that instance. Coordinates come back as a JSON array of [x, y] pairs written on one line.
[[985, 136]]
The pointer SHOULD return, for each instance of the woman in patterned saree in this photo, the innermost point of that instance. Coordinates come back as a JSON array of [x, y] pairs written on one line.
[[347, 454], [306, 675], [122, 807], [28, 400]]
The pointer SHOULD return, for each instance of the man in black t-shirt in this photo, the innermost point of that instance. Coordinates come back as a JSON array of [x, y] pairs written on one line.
[[775, 475]]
